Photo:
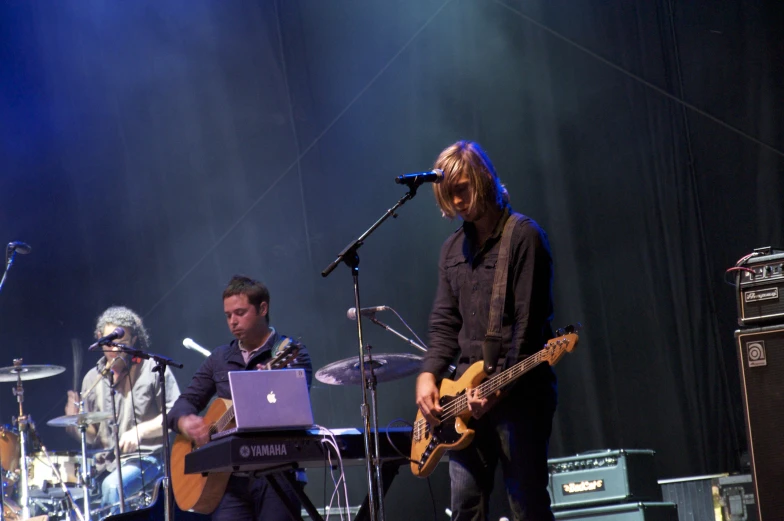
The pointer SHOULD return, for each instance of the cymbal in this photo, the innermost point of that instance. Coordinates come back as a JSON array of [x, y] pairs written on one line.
[[85, 418], [387, 367], [29, 372]]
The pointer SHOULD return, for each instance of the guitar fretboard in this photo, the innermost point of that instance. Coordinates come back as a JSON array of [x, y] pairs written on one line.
[[223, 421], [494, 384]]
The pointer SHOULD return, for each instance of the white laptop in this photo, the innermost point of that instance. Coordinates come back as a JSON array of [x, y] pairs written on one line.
[[269, 400]]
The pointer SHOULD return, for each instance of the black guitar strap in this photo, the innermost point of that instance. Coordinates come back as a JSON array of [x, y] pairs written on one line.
[[491, 347]]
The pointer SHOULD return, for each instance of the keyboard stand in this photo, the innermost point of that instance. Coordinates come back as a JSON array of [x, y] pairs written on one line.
[[389, 469], [286, 471]]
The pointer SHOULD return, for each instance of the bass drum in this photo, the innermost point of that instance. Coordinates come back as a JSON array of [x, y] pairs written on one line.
[[9, 448]]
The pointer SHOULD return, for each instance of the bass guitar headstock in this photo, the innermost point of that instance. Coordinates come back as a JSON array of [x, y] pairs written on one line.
[[564, 343]]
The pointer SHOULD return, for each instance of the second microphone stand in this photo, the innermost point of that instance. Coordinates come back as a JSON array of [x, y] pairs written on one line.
[[350, 257], [161, 362], [116, 430]]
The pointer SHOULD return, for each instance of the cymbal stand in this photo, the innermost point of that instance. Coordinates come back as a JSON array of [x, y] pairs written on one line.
[[350, 257], [22, 421], [85, 465]]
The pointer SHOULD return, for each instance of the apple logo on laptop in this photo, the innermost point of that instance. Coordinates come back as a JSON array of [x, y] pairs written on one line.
[[271, 397]]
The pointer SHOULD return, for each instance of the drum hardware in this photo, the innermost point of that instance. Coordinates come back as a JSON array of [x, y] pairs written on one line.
[[11, 510], [19, 373], [48, 468], [9, 460], [136, 501], [82, 420], [64, 487]]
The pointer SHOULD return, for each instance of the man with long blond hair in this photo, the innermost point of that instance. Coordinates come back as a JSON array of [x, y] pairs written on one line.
[[513, 428]]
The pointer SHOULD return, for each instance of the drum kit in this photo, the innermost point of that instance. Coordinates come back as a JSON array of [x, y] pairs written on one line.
[[62, 484], [38, 482]]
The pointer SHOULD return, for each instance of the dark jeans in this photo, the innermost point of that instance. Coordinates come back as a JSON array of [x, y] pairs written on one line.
[[253, 499], [516, 433]]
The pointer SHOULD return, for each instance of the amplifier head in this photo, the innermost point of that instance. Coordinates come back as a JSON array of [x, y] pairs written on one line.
[[760, 289]]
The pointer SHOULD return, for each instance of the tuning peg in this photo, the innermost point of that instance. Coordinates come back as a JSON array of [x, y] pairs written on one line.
[[571, 328]]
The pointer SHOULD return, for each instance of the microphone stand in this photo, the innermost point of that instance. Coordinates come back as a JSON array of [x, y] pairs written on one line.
[[8, 264], [116, 431], [161, 362], [403, 337], [25, 497], [350, 257]]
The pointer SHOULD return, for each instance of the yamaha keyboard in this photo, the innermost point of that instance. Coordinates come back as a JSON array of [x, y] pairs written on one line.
[[253, 451]]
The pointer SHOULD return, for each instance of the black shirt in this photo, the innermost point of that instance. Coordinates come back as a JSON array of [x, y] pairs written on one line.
[[458, 321]]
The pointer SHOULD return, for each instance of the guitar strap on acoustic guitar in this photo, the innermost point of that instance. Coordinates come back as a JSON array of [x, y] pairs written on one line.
[[491, 347]]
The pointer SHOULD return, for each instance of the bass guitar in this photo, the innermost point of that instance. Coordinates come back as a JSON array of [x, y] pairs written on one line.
[[430, 442]]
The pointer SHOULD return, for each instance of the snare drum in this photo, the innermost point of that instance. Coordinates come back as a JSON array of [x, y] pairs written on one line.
[[42, 475], [9, 448]]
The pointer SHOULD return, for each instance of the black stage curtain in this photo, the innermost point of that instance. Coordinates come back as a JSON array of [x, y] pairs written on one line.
[[151, 150]]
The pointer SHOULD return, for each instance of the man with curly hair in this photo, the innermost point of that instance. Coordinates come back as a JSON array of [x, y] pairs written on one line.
[[138, 405]]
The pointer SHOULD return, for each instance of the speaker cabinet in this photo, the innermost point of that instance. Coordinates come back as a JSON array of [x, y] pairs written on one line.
[[761, 358]]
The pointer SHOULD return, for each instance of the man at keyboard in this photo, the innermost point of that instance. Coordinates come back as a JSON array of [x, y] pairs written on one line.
[[246, 306]]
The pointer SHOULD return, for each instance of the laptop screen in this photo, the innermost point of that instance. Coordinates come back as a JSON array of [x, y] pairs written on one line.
[[265, 400]]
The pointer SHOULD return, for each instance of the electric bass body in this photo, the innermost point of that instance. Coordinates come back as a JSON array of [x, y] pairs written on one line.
[[430, 444]]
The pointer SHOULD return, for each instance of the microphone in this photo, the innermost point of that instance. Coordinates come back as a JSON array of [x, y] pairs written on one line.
[[190, 344], [114, 335], [21, 248], [351, 314], [434, 176]]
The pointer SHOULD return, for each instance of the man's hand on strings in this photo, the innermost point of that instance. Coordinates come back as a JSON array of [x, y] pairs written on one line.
[[479, 406]]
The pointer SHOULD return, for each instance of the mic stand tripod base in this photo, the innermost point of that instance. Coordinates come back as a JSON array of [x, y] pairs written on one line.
[[116, 431], [370, 385]]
